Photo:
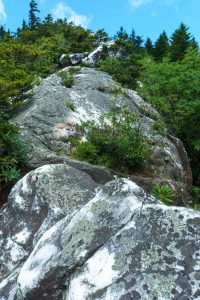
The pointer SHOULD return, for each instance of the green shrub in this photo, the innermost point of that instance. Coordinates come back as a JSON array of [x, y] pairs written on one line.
[[13, 152], [159, 127], [67, 78], [116, 142], [74, 70], [196, 197], [68, 82], [164, 193], [87, 152]]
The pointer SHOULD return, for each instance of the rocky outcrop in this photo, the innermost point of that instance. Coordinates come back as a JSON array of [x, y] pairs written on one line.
[[98, 53], [88, 58], [49, 123], [63, 236], [72, 59]]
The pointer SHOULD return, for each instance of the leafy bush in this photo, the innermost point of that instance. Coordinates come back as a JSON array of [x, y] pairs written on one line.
[[67, 78], [126, 72], [159, 127], [13, 152], [116, 141], [68, 82], [164, 193], [196, 197]]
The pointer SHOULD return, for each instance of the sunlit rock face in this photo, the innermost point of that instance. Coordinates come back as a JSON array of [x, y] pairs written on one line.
[[63, 236], [48, 123]]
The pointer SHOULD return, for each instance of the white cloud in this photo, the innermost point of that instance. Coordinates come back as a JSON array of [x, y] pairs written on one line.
[[63, 11], [138, 3], [3, 15]]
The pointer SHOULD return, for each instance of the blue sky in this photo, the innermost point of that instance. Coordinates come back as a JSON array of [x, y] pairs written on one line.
[[147, 17]]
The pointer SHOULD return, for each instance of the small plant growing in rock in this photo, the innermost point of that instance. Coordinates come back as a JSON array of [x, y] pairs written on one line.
[[159, 127], [164, 193], [74, 70], [71, 106], [61, 152], [196, 197], [68, 82], [67, 78], [116, 141]]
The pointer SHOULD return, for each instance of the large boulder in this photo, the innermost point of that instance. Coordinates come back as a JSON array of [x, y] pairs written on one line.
[[64, 237], [35, 204], [49, 122]]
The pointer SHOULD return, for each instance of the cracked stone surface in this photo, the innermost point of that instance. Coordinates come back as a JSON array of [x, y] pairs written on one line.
[[75, 240], [36, 202]]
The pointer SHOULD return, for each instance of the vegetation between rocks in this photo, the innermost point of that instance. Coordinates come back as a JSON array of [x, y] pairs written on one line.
[[163, 193], [13, 152], [117, 141]]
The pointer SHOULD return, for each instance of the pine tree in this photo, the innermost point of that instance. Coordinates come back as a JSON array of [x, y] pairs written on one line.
[[138, 42], [149, 46], [181, 40], [194, 44], [24, 25], [2, 32], [132, 36], [161, 48], [122, 35], [33, 19], [101, 36], [48, 19]]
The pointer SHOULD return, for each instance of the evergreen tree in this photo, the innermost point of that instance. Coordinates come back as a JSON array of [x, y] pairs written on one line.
[[2, 32], [132, 36], [194, 45], [24, 25], [138, 42], [33, 19], [149, 46], [181, 40], [101, 36], [48, 19], [122, 35], [161, 48]]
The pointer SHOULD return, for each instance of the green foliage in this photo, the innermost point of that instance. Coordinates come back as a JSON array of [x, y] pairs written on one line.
[[174, 90], [67, 78], [181, 40], [149, 46], [124, 71], [61, 152], [116, 142], [164, 193], [68, 82], [71, 105], [33, 19], [159, 127], [161, 48], [15, 78], [87, 152], [13, 151], [196, 197]]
